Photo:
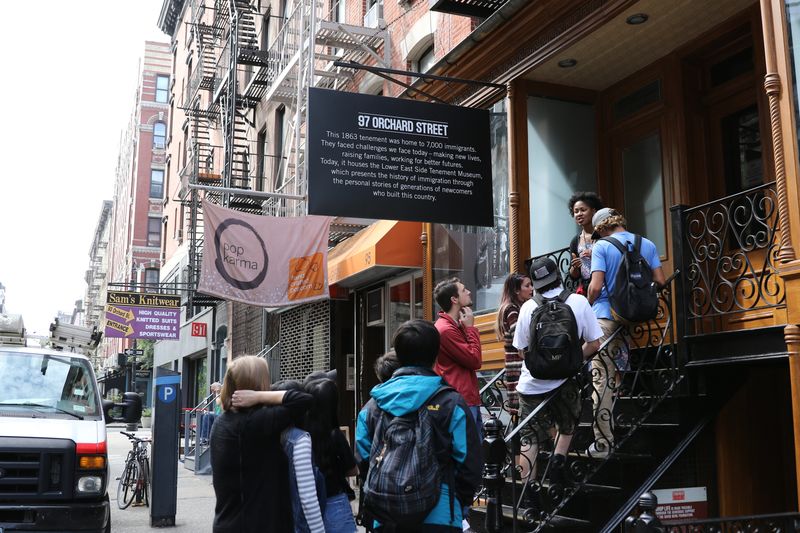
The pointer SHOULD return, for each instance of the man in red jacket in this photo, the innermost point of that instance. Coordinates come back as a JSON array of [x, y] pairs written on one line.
[[460, 343]]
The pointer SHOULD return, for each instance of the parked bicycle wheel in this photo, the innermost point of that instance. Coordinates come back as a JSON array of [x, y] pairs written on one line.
[[127, 484], [145, 473]]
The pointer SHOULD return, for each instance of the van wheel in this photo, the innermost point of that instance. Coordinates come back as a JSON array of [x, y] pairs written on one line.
[[107, 529]]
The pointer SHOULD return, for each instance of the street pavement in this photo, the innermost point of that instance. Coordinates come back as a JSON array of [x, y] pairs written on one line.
[[195, 504]]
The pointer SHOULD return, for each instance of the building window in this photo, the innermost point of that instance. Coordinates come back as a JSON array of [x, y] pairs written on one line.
[[159, 135], [426, 60], [156, 183], [151, 277], [162, 89], [153, 231], [373, 15], [279, 139], [478, 255]]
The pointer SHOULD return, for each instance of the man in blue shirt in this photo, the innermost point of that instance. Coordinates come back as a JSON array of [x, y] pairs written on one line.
[[606, 260]]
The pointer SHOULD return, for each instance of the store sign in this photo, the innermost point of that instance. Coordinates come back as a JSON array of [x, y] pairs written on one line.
[[199, 329], [688, 503], [140, 315], [395, 159], [261, 260]]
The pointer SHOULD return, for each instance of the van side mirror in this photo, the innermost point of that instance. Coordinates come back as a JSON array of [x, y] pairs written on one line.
[[131, 409], [108, 405]]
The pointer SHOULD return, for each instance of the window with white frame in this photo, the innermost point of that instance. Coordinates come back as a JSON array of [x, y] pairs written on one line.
[[162, 89], [159, 135], [156, 183], [153, 231]]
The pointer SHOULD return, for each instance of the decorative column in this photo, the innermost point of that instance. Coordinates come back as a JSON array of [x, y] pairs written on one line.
[[791, 335], [772, 85], [427, 270], [513, 192]]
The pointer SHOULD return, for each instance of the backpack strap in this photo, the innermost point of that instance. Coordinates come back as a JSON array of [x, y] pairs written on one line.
[[450, 468], [637, 243], [538, 298], [618, 245], [563, 296]]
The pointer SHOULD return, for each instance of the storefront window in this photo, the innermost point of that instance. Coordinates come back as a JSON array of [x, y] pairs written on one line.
[[479, 256], [793, 24], [561, 161]]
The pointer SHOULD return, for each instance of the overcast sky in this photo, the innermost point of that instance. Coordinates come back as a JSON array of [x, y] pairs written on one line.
[[69, 78]]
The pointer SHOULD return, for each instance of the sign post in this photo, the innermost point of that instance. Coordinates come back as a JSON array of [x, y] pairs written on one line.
[[165, 448]]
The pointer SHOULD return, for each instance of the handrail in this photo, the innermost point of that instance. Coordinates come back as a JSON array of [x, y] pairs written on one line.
[[730, 196], [267, 350], [651, 374], [791, 519], [492, 381], [586, 363]]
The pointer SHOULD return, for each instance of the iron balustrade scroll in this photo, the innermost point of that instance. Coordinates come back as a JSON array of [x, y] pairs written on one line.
[[729, 249], [562, 259], [618, 389]]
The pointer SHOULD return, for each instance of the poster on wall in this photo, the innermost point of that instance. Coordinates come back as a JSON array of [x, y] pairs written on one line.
[[395, 159], [141, 315], [264, 261], [686, 503]]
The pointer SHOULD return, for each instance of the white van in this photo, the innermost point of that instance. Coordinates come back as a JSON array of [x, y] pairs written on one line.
[[53, 448]]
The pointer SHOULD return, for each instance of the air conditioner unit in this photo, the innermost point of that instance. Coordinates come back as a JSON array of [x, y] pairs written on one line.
[[374, 16]]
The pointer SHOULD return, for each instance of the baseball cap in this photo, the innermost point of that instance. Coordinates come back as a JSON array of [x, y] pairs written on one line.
[[602, 214], [543, 272]]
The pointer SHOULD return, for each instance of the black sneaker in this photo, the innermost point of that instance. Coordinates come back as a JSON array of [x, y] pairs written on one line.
[[556, 469]]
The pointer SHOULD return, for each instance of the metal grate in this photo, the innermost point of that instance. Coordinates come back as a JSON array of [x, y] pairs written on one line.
[[470, 8]]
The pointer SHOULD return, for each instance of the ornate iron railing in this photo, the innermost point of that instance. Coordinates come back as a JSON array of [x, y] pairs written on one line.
[[728, 249], [619, 388], [777, 523], [562, 258]]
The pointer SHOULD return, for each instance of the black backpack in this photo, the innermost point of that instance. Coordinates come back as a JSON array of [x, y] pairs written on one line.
[[635, 296], [555, 350], [405, 474]]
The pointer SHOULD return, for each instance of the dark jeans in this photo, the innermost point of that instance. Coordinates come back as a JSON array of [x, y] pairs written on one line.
[[206, 421]]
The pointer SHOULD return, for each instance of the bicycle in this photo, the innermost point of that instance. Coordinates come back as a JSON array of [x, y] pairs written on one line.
[[134, 483]]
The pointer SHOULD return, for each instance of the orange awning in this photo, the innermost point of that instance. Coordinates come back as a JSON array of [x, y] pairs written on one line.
[[376, 250]]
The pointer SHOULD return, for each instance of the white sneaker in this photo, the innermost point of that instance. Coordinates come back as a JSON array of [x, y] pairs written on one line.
[[594, 453]]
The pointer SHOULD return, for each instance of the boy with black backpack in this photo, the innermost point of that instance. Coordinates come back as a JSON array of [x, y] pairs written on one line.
[[626, 277], [417, 443], [556, 332]]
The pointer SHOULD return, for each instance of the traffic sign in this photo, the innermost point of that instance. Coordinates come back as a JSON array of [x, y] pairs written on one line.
[[131, 351]]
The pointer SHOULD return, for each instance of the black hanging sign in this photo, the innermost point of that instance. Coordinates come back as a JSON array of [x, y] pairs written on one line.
[[394, 159]]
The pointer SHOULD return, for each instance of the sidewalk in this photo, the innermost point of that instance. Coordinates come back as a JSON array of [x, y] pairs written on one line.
[[195, 503], [196, 500]]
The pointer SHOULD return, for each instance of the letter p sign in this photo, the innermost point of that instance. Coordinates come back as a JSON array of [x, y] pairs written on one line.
[[167, 393]]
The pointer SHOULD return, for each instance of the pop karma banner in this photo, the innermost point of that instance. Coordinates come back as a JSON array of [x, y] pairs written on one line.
[[261, 260], [138, 315]]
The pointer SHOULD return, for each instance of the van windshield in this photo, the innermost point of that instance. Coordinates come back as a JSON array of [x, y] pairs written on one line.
[[47, 386]]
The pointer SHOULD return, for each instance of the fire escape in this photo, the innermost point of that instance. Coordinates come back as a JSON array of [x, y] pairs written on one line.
[[232, 71]]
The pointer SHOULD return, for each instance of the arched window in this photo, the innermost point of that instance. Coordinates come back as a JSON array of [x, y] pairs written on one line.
[[160, 135], [426, 59]]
